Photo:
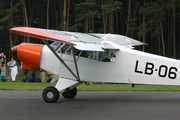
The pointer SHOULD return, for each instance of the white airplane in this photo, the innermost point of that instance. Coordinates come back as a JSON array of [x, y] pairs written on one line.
[[78, 57]]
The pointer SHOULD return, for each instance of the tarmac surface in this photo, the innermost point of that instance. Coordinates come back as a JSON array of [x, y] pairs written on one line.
[[29, 105]]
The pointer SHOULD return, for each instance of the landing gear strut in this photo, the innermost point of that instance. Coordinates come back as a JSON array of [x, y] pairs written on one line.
[[50, 94]]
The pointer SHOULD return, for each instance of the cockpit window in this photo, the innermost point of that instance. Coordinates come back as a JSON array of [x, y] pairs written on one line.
[[55, 45], [95, 55]]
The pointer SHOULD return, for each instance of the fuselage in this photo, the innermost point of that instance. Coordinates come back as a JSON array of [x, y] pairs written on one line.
[[130, 66]]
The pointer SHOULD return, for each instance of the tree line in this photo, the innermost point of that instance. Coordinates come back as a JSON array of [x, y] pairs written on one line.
[[150, 21]]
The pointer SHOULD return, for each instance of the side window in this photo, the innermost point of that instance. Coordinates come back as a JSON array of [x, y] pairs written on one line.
[[96, 55], [109, 56], [87, 54], [92, 54], [55, 45], [66, 49], [101, 56], [106, 56]]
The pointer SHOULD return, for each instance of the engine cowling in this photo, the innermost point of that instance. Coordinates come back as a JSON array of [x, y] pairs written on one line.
[[29, 54]]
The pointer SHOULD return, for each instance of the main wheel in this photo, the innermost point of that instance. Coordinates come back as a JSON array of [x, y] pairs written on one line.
[[70, 94], [50, 94]]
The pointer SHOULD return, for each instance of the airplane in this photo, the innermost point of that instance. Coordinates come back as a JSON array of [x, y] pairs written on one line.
[[85, 57]]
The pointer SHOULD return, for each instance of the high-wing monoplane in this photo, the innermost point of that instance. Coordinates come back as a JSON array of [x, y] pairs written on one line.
[[91, 57]]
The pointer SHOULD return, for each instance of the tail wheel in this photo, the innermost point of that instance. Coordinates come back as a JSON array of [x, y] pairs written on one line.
[[50, 94], [70, 94]]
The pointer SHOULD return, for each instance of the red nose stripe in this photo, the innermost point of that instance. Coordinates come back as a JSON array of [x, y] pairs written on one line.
[[29, 55]]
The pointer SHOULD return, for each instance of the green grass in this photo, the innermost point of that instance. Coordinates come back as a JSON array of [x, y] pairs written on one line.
[[91, 87], [23, 86], [126, 87]]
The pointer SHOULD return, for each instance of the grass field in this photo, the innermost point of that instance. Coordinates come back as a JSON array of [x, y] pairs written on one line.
[[91, 87]]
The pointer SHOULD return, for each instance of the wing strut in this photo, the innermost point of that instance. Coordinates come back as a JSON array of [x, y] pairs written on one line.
[[62, 61], [75, 62]]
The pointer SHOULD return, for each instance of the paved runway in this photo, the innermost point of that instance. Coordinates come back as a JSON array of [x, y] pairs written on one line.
[[29, 105]]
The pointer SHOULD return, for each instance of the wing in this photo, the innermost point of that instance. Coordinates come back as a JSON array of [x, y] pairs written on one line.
[[38, 33], [120, 40], [81, 41]]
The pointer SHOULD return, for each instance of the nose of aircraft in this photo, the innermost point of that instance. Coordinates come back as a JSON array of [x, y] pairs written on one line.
[[29, 55]]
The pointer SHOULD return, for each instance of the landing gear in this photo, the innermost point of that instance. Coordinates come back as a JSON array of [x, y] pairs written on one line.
[[70, 94], [50, 94]]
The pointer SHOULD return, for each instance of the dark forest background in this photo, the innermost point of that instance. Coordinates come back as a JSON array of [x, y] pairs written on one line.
[[156, 22]]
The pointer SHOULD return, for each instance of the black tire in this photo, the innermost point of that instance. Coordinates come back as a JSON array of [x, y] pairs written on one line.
[[70, 94], [53, 91]]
